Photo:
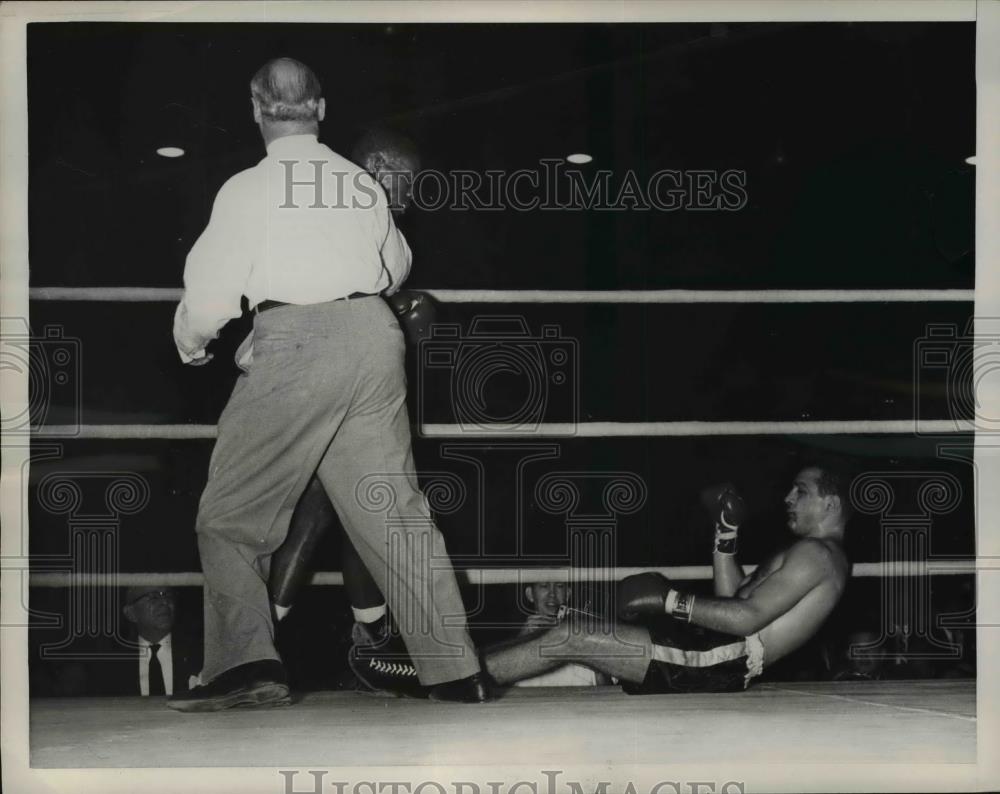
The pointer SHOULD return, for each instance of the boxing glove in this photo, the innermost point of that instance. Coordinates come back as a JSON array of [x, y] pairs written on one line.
[[650, 595], [728, 510], [416, 312], [642, 594]]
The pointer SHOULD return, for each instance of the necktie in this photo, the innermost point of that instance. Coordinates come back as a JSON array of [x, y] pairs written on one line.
[[155, 672]]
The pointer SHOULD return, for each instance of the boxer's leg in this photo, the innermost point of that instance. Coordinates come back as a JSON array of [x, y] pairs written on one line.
[[620, 650], [290, 564], [367, 602], [313, 518], [362, 591]]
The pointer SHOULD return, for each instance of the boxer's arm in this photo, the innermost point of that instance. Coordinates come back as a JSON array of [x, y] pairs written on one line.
[[807, 565], [728, 511], [215, 274], [727, 574]]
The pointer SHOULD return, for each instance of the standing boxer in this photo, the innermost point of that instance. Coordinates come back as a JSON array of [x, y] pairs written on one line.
[[392, 160], [307, 236]]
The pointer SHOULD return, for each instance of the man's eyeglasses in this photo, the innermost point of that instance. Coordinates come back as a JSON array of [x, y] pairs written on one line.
[[155, 595]]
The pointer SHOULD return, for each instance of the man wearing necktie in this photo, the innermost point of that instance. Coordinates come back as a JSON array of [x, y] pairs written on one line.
[[165, 665], [152, 655]]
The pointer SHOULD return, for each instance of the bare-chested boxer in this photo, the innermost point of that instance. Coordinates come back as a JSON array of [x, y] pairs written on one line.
[[666, 640]]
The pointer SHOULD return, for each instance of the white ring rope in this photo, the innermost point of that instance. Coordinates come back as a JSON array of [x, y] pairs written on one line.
[[113, 294], [581, 430], [498, 576], [566, 429], [171, 294], [619, 429]]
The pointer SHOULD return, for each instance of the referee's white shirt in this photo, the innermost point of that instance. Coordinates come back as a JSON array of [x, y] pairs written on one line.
[[304, 225]]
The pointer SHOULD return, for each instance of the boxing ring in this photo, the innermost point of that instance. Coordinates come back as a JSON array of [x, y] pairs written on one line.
[[862, 722], [870, 722]]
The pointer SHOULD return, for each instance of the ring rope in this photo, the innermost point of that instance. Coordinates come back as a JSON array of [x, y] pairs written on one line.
[[699, 428], [172, 294], [498, 576], [562, 429], [584, 429]]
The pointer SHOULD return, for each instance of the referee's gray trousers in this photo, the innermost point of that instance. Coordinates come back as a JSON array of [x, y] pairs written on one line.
[[325, 394]]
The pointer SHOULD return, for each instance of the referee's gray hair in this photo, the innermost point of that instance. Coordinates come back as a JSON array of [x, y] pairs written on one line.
[[286, 90]]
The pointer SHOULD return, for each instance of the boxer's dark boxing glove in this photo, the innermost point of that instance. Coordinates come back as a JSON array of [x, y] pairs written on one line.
[[650, 595], [416, 312], [728, 511], [642, 594]]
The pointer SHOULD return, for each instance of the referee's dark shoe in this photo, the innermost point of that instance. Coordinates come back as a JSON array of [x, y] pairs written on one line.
[[254, 684], [476, 688]]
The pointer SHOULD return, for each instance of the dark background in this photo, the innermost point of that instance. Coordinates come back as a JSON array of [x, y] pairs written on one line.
[[853, 138]]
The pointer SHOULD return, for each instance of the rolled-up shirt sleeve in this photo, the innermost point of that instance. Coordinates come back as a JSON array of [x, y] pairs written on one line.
[[396, 255], [215, 274]]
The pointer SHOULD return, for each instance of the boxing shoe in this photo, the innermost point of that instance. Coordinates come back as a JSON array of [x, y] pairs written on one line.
[[385, 672], [370, 635], [368, 639], [476, 688], [255, 684]]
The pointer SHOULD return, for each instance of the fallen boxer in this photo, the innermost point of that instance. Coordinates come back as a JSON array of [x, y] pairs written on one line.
[[666, 640]]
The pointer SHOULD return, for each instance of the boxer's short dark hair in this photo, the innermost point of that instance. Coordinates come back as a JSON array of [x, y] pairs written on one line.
[[834, 480], [382, 140]]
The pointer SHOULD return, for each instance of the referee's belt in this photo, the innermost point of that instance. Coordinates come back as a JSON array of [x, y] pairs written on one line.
[[263, 306]]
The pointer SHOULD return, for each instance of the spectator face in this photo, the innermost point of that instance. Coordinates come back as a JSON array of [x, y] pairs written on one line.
[[152, 610], [547, 597]]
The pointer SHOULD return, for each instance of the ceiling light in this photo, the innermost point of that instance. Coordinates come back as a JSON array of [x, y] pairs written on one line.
[[579, 159], [170, 151]]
